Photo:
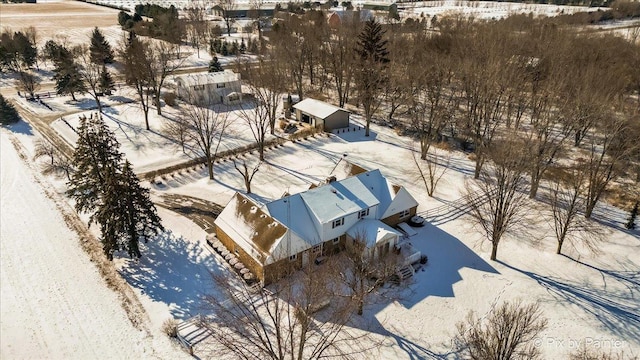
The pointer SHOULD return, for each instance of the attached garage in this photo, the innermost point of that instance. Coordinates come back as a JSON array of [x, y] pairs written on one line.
[[321, 115]]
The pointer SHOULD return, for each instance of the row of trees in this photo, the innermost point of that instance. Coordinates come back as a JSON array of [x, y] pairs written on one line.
[[558, 100], [81, 69]]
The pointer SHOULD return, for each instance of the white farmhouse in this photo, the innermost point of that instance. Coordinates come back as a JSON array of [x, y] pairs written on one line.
[[296, 229], [222, 87]]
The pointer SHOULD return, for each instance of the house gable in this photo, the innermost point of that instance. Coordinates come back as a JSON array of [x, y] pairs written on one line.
[[250, 228], [402, 201]]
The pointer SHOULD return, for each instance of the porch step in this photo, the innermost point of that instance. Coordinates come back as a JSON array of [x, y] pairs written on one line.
[[403, 273]]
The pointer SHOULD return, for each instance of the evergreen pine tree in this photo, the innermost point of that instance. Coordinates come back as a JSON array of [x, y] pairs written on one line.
[[68, 80], [224, 49], [100, 50], [243, 47], [234, 48], [27, 52], [371, 74], [214, 65], [106, 84], [631, 222], [8, 113], [96, 155], [127, 213], [66, 72], [109, 189]]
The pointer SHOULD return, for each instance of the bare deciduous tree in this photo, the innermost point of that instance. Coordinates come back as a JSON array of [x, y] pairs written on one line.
[[90, 73], [146, 67], [227, 7], [255, 114], [596, 353], [57, 163], [199, 129], [266, 79], [506, 333], [163, 63], [432, 168], [28, 82], [367, 268], [500, 203], [197, 25], [566, 200], [299, 317], [247, 173], [485, 74], [606, 152], [289, 48], [136, 56]]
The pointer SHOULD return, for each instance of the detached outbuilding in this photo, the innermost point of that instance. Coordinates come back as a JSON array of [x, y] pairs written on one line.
[[321, 115]]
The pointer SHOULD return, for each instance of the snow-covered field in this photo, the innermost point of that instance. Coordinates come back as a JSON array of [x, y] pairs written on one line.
[[485, 9], [54, 304]]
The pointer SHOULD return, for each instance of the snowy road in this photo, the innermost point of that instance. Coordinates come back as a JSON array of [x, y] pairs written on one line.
[[53, 302]]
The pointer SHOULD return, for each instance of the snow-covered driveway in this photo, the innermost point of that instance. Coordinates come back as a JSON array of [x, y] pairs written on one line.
[[53, 302]]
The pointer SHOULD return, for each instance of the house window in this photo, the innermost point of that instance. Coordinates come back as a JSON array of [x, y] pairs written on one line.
[[363, 213], [337, 222], [335, 241], [317, 250], [293, 257], [220, 86], [198, 87], [404, 214]]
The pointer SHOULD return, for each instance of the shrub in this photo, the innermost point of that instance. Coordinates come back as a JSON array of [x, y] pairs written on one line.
[[170, 327], [170, 99], [303, 133]]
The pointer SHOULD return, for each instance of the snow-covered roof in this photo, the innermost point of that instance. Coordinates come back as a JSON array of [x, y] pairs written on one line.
[[293, 223], [204, 78], [317, 108], [293, 213], [250, 227], [372, 231], [339, 198]]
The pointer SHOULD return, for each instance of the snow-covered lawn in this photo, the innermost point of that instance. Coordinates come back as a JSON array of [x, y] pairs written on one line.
[[150, 149], [591, 299], [54, 304]]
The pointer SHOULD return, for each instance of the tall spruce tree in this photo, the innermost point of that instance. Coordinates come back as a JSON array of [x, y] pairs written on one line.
[[106, 84], [8, 113], [96, 155], [66, 72], [127, 213], [373, 57], [110, 191], [27, 51], [100, 49]]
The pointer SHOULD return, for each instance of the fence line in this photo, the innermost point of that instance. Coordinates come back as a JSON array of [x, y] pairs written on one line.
[[150, 175]]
